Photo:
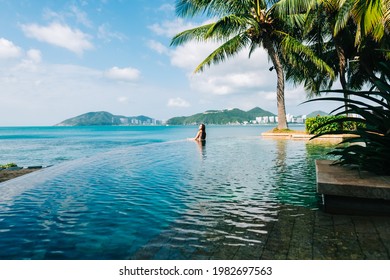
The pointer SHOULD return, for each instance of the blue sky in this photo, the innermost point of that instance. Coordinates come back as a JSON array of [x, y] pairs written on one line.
[[59, 59]]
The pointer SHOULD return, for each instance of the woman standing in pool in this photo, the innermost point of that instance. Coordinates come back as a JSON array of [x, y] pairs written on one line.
[[201, 135]]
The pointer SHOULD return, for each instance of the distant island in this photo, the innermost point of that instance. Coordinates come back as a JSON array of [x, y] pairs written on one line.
[[105, 118], [317, 113], [228, 116], [237, 117], [216, 117]]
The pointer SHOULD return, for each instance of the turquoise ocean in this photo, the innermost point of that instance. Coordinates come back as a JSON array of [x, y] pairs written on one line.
[[118, 192]]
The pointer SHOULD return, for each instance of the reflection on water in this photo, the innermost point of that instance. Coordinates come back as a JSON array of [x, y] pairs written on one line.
[[295, 171], [141, 202], [202, 148]]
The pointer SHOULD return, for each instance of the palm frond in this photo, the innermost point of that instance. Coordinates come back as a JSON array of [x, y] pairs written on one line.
[[292, 45], [212, 8], [285, 8], [226, 50], [367, 15], [343, 15], [227, 26], [191, 8], [197, 34]]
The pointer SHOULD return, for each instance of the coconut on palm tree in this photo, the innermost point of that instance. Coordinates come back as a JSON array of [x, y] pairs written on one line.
[[247, 25]]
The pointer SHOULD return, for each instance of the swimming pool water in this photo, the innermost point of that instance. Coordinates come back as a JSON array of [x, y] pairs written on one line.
[[119, 203]]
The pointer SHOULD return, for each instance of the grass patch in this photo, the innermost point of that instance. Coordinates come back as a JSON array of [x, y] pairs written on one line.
[[287, 130], [8, 165]]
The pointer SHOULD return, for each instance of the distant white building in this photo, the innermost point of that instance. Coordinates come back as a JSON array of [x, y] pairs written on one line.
[[294, 119], [124, 120], [274, 119], [290, 118]]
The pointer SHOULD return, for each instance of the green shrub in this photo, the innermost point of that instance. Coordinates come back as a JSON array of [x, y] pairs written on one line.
[[329, 124], [319, 124]]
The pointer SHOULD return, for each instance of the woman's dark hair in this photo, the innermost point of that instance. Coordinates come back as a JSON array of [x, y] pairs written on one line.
[[203, 128]]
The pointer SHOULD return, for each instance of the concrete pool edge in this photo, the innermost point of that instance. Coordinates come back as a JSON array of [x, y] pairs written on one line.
[[347, 191]]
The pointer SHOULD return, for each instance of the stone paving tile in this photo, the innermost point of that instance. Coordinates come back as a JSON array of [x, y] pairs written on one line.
[[225, 252], [372, 246], [382, 224], [208, 253], [296, 234], [347, 248], [347, 245], [258, 238], [323, 219], [301, 245], [249, 252], [278, 242], [364, 225], [324, 240], [324, 244]]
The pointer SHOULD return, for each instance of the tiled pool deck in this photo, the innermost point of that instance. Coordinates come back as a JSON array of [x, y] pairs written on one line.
[[298, 234], [306, 234]]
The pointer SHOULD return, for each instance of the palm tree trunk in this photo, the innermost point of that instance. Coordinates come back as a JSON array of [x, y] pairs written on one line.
[[342, 70], [282, 119]]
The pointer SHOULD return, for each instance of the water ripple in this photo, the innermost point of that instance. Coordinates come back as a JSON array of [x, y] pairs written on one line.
[[136, 200]]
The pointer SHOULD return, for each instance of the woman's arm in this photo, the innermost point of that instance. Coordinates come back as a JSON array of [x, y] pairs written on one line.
[[198, 135]]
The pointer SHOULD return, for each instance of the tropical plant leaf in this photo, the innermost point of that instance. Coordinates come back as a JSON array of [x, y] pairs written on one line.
[[370, 147]]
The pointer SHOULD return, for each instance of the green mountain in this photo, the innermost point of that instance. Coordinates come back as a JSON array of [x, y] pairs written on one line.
[[317, 113], [105, 118], [221, 117]]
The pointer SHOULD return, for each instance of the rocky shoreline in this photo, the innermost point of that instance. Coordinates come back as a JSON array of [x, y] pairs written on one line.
[[11, 173]]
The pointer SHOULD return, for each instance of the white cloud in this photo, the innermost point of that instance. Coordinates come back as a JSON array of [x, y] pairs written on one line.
[[237, 75], [167, 8], [158, 47], [49, 14], [123, 74], [34, 55], [81, 16], [171, 28], [107, 35], [31, 61], [218, 81], [8, 49], [72, 12], [178, 102], [123, 99], [52, 93], [188, 56], [60, 35]]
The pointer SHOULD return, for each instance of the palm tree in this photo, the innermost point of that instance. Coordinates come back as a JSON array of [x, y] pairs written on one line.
[[338, 32], [316, 33], [371, 23], [247, 25]]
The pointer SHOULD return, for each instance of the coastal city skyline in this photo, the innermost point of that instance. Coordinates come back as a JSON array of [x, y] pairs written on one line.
[[64, 58]]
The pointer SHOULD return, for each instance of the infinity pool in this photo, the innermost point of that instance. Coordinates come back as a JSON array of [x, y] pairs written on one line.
[[118, 204]]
